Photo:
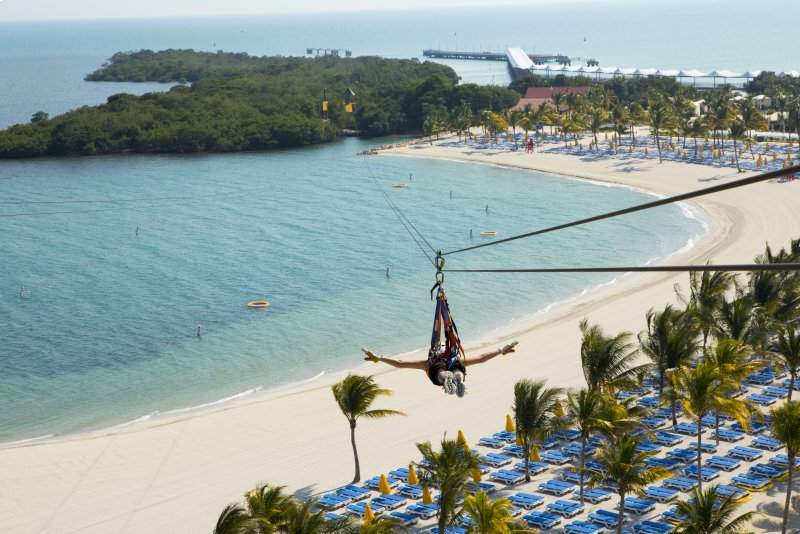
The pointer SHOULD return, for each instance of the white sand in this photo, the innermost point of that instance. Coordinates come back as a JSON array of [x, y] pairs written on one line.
[[174, 476]]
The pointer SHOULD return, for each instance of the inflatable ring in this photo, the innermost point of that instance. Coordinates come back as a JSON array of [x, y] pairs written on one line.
[[258, 304]]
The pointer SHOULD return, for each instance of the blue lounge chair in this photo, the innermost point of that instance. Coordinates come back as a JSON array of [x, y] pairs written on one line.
[[689, 429], [508, 437], [526, 500], [332, 501], [673, 516], [734, 493], [465, 521], [594, 495], [661, 494], [535, 468], [474, 487], [760, 379], [723, 462], [334, 517], [605, 518], [514, 450], [583, 527], [357, 509], [401, 473], [516, 511], [652, 527], [639, 506], [763, 400], [626, 394], [543, 520], [596, 441], [648, 447], [450, 530], [752, 483], [729, 435], [767, 470], [492, 443], [745, 453], [405, 519], [412, 491], [705, 446], [681, 483], [706, 473], [666, 412], [649, 402], [507, 477], [684, 455], [768, 443], [574, 449], [559, 488], [775, 391], [653, 421], [572, 475], [668, 438], [390, 502], [781, 460], [357, 493], [594, 466], [425, 511], [496, 460], [786, 383], [567, 434], [549, 443], [565, 508], [554, 457], [756, 427], [664, 463], [375, 482]]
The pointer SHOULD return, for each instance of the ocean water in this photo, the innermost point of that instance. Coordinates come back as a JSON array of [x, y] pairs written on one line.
[[105, 331]]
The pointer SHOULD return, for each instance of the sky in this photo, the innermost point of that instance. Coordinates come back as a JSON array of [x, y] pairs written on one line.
[[15, 10]]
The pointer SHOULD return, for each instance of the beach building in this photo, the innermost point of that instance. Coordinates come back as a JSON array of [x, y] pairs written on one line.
[[762, 102], [536, 96]]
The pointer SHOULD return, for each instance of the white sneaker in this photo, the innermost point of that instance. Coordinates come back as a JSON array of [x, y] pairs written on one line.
[[449, 384], [460, 387]]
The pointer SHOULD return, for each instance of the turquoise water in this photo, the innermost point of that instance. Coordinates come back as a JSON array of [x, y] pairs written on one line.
[[106, 331]]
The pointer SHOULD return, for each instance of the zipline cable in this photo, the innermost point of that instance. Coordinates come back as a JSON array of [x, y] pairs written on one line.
[[741, 267], [648, 205]]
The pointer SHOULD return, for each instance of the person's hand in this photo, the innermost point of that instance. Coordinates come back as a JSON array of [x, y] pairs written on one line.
[[509, 348], [370, 356]]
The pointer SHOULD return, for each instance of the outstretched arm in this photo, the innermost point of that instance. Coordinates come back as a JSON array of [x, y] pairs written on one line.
[[485, 357], [417, 364]]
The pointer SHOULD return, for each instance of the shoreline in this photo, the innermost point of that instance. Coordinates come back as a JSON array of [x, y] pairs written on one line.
[[511, 327], [176, 475]]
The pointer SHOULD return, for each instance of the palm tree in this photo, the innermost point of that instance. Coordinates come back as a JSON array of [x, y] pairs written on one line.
[[534, 405], [659, 119], [607, 362], [233, 520], [735, 318], [698, 128], [752, 118], [586, 409], [597, 118], [513, 118], [305, 518], [705, 389], [670, 342], [354, 395], [737, 133], [786, 429], [638, 115], [787, 347], [627, 470], [265, 506], [707, 290], [380, 525], [558, 98], [450, 469], [708, 512], [488, 516]]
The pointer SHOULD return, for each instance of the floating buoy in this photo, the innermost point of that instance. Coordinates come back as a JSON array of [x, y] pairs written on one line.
[[489, 233], [258, 304]]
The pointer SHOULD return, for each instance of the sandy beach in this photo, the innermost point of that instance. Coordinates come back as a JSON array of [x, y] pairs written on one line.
[[174, 475]]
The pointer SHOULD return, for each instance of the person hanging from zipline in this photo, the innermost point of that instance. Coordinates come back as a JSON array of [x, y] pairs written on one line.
[[446, 365]]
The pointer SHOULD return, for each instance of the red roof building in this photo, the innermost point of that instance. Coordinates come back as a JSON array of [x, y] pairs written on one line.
[[535, 96]]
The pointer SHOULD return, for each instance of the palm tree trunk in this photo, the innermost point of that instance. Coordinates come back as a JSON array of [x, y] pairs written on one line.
[[695, 155], [736, 155], [658, 145], [621, 511], [527, 457], [792, 380], [788, 493], [674, 412], [716, 426], [583, 463], [699, 454], [357, 477]]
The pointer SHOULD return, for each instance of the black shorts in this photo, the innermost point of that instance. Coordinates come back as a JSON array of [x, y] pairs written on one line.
[[439, 365]]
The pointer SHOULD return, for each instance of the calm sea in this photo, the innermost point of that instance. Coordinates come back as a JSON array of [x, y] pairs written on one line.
[[105, 330]]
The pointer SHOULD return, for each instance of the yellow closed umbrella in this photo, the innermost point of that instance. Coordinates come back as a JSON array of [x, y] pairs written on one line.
[[510, 424], [558, 410], [369, 515], [426, 495], [412, 475], [476, 475], [462, 440], [519, 439], [535, 454], [383, 485]]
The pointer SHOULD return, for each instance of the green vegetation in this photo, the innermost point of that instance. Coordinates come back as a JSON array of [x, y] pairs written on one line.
[[238, 103]]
